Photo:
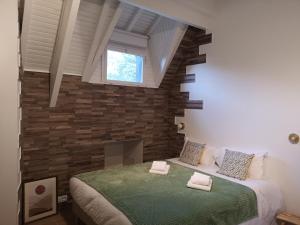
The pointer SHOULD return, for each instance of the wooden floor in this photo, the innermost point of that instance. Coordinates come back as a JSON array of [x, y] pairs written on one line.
[[63, 217]]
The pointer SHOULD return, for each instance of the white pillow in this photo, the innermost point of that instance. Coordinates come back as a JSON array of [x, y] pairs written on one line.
[[219, 156], [207, 157], [256, 169]]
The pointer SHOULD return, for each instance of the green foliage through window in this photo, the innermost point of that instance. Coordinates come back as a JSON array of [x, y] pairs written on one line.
[[124, 67]]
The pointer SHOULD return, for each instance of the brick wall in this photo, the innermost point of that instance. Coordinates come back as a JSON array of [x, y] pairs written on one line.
[[69, 138]]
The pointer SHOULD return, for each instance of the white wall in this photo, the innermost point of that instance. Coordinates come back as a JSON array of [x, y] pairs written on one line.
[[251, 86], [8, 111]]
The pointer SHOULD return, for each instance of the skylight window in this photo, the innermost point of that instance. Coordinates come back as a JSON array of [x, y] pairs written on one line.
[[124, 67]]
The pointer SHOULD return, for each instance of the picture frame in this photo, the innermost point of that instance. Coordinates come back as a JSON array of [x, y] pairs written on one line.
[[39, 199]]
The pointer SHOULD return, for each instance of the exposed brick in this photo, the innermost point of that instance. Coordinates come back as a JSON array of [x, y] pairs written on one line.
[[70, 138]]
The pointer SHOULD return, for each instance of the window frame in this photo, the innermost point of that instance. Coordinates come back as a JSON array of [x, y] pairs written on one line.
[[128, 50]]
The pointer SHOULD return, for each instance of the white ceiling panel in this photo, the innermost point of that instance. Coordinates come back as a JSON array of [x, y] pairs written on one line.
[[41, 21], [87, 20], [41, 24], [127, 15], [144, 22]]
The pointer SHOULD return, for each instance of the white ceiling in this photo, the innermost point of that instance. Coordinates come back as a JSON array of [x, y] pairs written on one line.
[[41, 21], [143, 23], [84, 31], [41, 33]]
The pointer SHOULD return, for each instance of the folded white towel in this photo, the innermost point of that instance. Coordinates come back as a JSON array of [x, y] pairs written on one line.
[[200, 179], [200, 187], [159, 166], [160, 172]]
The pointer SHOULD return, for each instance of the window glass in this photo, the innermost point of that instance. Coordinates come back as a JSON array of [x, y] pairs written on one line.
[[124, 67]]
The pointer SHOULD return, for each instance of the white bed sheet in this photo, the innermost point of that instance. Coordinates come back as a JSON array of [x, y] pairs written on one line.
[[269, 197], [102, 212]]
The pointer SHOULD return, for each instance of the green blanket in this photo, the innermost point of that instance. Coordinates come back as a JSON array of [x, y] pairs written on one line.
[[148, 199]]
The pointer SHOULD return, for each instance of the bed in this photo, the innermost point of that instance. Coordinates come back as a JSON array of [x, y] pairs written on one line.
[[94, 206]]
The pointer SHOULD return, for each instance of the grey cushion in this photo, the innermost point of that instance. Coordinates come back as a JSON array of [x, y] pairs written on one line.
[[236, 164], [191, 153]]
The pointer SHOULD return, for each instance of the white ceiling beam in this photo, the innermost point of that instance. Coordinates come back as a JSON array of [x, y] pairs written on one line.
[[154, 24], [62, 45], [135, 18], [106, 33], [100, 30]]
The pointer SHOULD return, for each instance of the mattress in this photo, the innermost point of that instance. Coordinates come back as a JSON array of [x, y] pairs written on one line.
[[102, 212]]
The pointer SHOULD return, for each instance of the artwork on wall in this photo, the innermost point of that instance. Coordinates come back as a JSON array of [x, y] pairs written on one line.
[[40, 199]]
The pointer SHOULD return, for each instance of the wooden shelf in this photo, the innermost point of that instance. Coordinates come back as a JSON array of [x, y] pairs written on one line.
[[286, 218]]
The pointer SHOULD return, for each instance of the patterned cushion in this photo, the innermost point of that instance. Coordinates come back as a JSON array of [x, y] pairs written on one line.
[[236, 164], [191, 153]]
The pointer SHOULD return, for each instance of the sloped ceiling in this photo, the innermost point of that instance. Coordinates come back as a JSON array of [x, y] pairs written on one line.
[[87, 19], [42, 21], [41, 33], [143, 23], [71, 36]]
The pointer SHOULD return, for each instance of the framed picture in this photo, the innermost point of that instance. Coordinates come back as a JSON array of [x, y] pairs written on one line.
[[40, 199]]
